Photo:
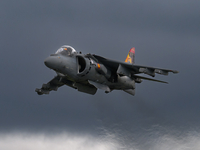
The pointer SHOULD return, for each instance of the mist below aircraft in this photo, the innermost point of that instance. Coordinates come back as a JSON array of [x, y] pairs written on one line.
[[89, 72]]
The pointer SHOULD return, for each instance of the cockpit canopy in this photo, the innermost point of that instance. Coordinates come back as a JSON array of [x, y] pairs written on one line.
[[66, 50]]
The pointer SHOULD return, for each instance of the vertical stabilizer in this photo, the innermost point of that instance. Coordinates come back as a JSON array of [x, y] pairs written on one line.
[[131, 56]]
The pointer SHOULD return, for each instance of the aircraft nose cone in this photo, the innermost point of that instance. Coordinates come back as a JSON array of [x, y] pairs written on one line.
[[52, 62]]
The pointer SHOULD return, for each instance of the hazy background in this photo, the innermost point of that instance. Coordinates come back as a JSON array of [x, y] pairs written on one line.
[[160, 116]]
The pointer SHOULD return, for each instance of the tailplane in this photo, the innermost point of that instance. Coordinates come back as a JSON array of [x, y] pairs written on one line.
[[131, 56]]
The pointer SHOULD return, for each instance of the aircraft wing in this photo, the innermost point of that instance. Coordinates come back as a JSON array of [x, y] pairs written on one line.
[[130, 69], [59, 81], [54, 84]]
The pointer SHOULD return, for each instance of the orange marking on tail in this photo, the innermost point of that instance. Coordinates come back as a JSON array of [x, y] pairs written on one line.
[[130, 56], [128, 59]]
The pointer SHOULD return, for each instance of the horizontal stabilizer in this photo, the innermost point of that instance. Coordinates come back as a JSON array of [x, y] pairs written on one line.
[[145, 78]]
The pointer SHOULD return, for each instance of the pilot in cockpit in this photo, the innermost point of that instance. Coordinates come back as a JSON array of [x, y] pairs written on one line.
[[66, 50]]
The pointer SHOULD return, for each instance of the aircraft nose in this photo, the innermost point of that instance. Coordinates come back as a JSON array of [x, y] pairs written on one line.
[[52, 62]]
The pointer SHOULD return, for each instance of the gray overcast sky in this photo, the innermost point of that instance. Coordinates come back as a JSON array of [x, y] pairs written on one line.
[[165, 34]]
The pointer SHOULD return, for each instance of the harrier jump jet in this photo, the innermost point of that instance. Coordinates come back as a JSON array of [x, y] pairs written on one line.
[[89, 72]]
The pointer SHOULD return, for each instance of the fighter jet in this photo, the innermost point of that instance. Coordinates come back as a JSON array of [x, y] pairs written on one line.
[[89, 72]]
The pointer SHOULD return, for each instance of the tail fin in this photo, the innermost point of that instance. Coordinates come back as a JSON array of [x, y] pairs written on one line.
[[131, 56]]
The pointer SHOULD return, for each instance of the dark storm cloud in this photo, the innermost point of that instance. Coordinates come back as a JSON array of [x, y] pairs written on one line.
[[165, 34]]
